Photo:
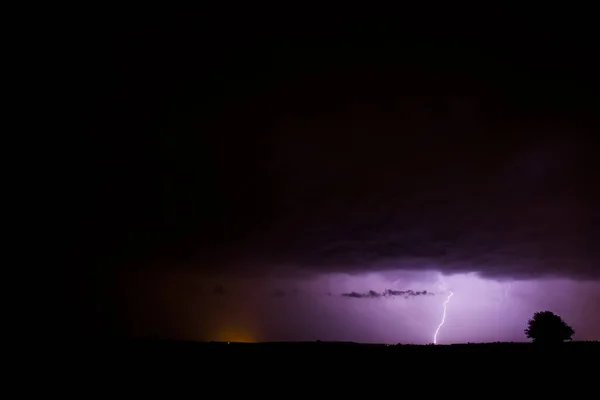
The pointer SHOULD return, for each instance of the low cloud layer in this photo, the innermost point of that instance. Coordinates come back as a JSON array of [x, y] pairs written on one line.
[[518, 215], [371, 294], [279, 293], [377, 170]]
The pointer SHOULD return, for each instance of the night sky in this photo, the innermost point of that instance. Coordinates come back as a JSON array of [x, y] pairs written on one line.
[[236, 178]]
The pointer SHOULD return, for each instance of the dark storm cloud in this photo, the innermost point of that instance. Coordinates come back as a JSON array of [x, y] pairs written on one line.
[[392, 164], [371, 294], [278, 293], [521, 212], [219, 289]]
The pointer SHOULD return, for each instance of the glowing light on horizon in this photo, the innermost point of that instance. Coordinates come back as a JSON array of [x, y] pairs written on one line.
[[443, 317], [238, 335]]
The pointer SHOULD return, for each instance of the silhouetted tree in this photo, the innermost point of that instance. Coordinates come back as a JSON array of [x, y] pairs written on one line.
[[548, 328]]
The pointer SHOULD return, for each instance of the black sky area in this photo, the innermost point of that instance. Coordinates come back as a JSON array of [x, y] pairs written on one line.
[[249, 145]]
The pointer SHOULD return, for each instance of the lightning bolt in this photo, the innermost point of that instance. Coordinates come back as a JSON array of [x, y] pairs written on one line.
[[443, 317]]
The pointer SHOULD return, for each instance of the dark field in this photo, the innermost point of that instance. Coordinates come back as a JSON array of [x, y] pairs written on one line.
[[158, 353], [336, 369], [152, 346]]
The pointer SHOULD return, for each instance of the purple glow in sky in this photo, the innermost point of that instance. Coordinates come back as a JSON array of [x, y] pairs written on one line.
[[189, 306]]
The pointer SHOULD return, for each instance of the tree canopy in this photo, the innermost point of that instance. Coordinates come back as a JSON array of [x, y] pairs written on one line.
[[548, 328]]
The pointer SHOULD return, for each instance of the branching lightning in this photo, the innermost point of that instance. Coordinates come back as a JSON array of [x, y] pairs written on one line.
[[443, 317]]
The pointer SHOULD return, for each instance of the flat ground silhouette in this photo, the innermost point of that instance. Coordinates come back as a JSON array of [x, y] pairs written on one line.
[[245, 368]]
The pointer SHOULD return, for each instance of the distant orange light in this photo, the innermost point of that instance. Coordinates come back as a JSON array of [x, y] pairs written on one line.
[[235, 336]]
